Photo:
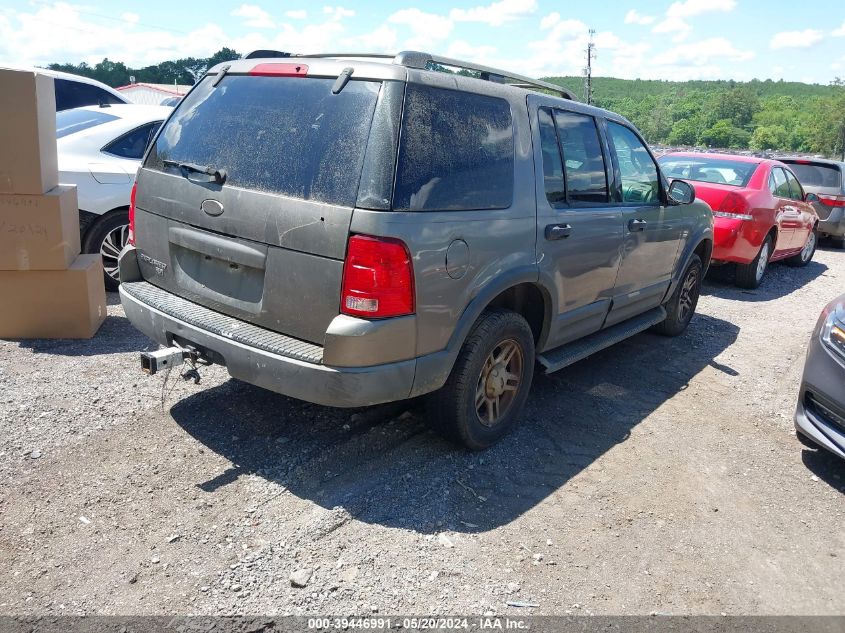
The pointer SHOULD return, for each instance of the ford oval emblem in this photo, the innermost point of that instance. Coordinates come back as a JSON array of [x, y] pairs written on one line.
[[212, 207]]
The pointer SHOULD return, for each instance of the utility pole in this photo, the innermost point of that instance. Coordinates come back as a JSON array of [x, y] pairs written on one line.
[[588, 70]]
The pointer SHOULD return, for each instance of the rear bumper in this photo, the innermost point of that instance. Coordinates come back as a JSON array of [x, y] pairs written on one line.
[[279, 371], [735, 241], [834, 225]]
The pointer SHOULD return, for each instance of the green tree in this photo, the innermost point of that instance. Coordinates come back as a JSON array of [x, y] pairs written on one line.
[[770, 137]]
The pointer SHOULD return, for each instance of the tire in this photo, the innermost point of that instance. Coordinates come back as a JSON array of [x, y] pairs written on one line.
[[107, 236], [681, 305], [453, 411], [837, 242], [750, 275], [806, 255]]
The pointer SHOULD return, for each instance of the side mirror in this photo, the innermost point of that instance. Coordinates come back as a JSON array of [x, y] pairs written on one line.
[[681, 192], [811, 198]]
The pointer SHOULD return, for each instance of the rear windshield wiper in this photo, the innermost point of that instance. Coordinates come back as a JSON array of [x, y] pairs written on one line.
[[219, 175]]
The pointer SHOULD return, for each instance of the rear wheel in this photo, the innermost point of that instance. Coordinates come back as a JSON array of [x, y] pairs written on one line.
[[750, 275], [489, 384], [806, 255], [108, 235], [681, 305]]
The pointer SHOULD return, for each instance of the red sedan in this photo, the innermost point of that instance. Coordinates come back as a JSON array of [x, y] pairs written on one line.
[[761, 211]]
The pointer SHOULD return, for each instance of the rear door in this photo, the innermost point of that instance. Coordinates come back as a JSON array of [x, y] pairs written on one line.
[[579, 232], [652, 229], [786, 214], [806, 215], [265, 245]]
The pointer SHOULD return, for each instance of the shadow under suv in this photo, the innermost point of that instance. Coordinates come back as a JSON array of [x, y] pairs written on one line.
[[350, 232]]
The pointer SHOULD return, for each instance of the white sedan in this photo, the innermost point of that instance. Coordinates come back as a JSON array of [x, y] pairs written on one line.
[[100, 149]]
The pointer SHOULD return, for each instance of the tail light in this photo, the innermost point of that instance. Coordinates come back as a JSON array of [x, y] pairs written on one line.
[[279, 70], [378, 278], [131, 238], [735, 207], [833, 201]]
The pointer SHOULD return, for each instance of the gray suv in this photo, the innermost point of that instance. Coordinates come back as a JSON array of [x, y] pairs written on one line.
[[351, 232], [826, 179]]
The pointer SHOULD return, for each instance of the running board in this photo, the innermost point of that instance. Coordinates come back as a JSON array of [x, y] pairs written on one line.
[[570, 353]]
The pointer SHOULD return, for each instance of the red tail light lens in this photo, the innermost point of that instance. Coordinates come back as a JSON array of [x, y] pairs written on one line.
[[378, 278], [833, 201], [735, 207], [131, 238]]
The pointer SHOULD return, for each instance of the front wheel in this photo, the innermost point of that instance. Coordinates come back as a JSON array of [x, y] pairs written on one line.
[[750, 275], [107, 236], [681, 305], [489, 384], [806, 255]]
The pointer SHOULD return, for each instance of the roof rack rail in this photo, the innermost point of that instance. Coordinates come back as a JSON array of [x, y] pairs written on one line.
[[423, 61]]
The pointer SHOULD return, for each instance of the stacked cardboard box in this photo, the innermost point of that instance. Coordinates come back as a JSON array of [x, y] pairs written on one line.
[[47, 289]]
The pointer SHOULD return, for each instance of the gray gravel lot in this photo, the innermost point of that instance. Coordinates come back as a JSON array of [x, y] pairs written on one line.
[[662, 475]]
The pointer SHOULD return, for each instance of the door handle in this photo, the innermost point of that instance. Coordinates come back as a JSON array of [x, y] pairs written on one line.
[[558, 231], [637, 225]]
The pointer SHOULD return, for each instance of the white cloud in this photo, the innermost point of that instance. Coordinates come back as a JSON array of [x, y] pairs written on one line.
[[460, 49], [635, 17], [383, 39], [702, 54], [495, 14], [338, 13], [840, 32], [675, 23], [427, 28], [254, 16], [131, 18], [297, 14], [796, 39], [550, 20], [696, 7]]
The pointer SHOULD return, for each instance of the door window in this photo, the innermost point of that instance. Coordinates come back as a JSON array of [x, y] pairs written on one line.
[[586, 177], [640, 183], [795, 191], [552, 165], [778, 184], [133, 144]]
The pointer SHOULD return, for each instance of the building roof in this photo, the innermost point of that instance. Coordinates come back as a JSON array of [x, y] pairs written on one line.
[[170, 89]]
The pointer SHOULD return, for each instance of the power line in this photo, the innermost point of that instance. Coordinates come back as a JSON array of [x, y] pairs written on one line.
[[107, 17]]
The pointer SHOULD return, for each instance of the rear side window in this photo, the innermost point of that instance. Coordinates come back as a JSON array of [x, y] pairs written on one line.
[[552, 165], [133, 144], [778, 183], [284, 135], [586, 178], [818, 175], [640, 183], [75, 94], [455, 151], [72, 121], [794, 187]]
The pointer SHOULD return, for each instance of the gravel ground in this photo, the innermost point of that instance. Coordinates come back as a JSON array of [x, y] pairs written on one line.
[[661, 475]]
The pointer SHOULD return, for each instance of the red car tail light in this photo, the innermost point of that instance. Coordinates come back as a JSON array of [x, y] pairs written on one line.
[[833, 201], [131, 238], [735, 207], [378, 278], [279, 70]]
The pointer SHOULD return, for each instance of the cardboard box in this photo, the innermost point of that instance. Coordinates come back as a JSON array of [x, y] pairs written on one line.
[[53, 303], [39, 232], [28, 162]]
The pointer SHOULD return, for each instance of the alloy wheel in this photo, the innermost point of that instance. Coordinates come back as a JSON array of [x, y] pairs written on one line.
[[688, 297], [809, 246], [111, 247], [763, 260], [499, 382]]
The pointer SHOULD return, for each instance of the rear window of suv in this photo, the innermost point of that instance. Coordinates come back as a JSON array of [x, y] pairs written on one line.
[[284, 135], [455, 151], [817, 174]]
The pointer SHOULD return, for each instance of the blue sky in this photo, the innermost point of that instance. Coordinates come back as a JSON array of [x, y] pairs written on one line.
[[650, 39]]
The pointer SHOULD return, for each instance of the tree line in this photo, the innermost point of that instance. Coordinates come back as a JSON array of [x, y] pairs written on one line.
[[757, 115]]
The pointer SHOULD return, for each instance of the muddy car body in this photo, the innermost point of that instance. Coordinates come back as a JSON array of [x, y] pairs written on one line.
[[351, 232]]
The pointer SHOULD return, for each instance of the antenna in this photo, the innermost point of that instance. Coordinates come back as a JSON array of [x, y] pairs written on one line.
[[588, 69]]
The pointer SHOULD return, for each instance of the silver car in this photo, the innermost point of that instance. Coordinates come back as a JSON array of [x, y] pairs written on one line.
[[820, 416], [826, 179], [350, 232]]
